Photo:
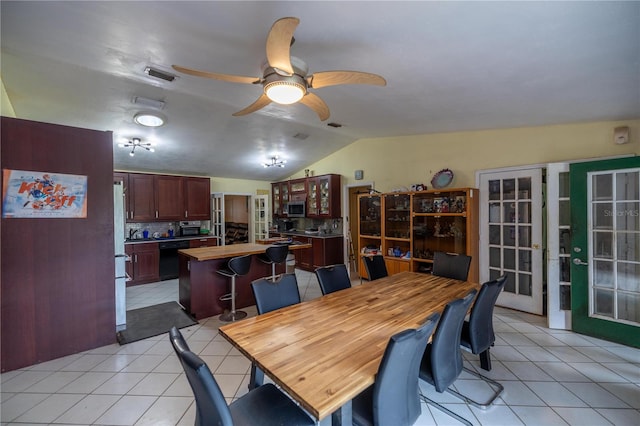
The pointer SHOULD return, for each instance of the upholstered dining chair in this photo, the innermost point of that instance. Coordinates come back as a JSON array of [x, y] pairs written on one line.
[[269, 297], [442, 360], [451, 265], [375, 266], [394, 397], [478, 336], [265, 405], [274, 255], [333, 278]]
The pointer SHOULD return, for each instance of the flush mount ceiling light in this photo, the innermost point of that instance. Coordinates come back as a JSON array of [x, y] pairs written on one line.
[[135, 143], [148, 119], [274, 162]]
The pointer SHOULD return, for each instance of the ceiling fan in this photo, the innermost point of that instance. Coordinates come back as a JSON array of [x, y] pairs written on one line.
[[284, 77]]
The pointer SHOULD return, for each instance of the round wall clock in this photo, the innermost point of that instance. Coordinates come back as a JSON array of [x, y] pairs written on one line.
[[442, 178]]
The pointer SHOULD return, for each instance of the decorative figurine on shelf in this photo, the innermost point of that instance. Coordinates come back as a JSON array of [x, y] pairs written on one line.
[[444, 206], [436, 230]]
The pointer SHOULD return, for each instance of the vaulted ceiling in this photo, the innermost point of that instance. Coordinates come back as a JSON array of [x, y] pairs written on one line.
[[449, 66]]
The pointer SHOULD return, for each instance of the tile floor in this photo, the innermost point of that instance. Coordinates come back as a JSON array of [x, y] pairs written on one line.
[[551, 377]]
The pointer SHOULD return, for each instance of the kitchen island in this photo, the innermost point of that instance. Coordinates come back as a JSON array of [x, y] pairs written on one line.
[[200, 286]]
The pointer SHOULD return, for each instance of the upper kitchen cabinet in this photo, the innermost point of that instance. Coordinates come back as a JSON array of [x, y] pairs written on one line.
[[280, 196], [298, 189], [197, 194], [151, 197], [323, 198]]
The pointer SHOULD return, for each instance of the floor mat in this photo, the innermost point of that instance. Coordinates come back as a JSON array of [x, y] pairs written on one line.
[[152, 321]]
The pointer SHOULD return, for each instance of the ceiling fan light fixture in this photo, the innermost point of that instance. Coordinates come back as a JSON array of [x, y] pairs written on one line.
[[148, 120], [137, 143], [285, 92], [274, 162]]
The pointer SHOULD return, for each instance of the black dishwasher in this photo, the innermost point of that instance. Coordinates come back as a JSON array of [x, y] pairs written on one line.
[[169, 258]]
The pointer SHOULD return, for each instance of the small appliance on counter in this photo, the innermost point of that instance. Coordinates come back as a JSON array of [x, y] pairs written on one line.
[[189, 230]]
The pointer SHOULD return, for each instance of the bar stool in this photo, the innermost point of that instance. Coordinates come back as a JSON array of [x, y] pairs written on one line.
[[274, 255], [236, 266]]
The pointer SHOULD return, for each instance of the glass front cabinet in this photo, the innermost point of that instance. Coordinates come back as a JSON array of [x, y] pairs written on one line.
[[417, 224], [369, 228]]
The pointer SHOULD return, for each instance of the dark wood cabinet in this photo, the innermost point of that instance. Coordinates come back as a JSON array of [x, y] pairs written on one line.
[[327, 251], [144, 266], [169, 197], [150, 197], [304, 257], [322, 195], [280, 197], [141, 199], [203, 242], [197, 198]]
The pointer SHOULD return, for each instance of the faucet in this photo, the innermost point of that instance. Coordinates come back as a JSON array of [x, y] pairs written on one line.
[[132, 232]]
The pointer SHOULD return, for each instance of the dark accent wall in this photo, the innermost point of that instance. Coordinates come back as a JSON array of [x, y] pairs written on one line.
[[57, 279]]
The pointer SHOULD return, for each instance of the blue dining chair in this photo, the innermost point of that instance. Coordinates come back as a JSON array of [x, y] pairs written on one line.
[[451, 265], [333, 278]]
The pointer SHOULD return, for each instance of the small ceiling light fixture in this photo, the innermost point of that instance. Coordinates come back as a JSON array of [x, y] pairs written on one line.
[[148, 119], [135, 143], [275, 162]]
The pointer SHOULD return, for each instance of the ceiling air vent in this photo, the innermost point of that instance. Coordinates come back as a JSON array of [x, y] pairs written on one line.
[[151, 103], [336, 125], [154, 72]]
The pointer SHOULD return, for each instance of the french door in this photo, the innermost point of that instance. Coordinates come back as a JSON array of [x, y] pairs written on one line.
[[511, 235], [605, 268]]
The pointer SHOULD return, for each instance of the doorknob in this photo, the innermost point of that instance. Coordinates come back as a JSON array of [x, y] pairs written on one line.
[[577, 261]]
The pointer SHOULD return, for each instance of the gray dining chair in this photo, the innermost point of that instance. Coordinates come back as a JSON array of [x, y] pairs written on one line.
[[394, 397], [375, 267], [451, 265], [333, 278], [478, 337], [265, 405], [272, 295], [442, 360]]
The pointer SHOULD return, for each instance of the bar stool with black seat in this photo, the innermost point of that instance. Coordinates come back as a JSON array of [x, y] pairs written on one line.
[[274, 255], [236, 266]]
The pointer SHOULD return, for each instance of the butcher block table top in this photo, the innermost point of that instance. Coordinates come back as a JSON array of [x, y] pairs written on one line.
[[325, 351], [201, 254]]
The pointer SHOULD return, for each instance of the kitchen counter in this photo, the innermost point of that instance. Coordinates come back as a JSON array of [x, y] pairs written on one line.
[[162, 239], [303, 234]]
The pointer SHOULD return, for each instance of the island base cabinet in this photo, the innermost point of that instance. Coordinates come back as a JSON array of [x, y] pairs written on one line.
[[201, 286]]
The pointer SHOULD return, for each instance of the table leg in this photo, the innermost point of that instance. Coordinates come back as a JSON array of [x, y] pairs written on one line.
[[342, 416]]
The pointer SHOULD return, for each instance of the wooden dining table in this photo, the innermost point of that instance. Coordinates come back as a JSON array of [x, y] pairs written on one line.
[[325, 351]]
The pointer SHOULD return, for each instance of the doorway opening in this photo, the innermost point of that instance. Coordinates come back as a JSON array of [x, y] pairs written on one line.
[[351, 231]]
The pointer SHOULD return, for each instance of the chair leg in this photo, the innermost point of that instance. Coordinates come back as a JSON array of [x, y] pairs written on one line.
[[273, 272], [233, 314], [496, 387], [445, 410], [485, 360]]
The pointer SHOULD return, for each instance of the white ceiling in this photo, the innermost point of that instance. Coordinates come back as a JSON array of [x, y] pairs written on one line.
[[450, 66]]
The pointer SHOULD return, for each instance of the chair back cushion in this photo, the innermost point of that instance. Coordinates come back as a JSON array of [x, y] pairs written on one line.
[[442, 361], [333, 278], [240, 265], [275, 295], [375, 266], [480, 326], [451, 265], [277, 254], [211, 407], [395, 394], [177, 341]]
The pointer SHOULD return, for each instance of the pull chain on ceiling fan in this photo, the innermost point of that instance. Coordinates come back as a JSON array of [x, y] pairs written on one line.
[[285, 78]]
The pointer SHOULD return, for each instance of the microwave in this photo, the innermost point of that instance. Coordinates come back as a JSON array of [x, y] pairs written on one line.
[[187, 231], [296, 209]]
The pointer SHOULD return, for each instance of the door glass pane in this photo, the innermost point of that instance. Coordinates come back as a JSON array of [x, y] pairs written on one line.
[[603, 273], [509, 259], [563, 181], [510, 212], [602, 187], [603, 216], [510, 285], [494, 189], [629, 306], [494, 234], [524, 212], [494, 212], [603, 245], [524, 236], [509, 236], [494, 274], [494, 257], [524, 188], [629, 276], [565, 241], [564, 212], [627, 186], [524, 260], [603, 302], [628, 246], [524, 284], [509, 189], [565, 269], [627, 216]]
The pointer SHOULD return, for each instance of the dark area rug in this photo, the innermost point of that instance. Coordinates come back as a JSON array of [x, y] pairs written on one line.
[[152, 321]]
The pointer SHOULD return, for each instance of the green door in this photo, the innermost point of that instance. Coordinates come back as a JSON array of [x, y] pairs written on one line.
[[605, 268]]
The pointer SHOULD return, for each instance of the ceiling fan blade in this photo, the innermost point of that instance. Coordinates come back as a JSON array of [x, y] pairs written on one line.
[[317, 104], [261, 102], [279, 44], [332, 78], [216, 76]]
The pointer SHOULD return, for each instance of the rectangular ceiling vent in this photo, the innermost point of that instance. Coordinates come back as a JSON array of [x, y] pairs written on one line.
[[154, 72], [150, 103]]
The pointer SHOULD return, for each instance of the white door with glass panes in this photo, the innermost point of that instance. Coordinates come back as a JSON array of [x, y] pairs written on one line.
[[217, 216], [260, 214], [511, 235]]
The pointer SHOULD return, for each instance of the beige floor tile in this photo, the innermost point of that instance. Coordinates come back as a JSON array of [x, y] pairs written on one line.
[[127, 410], [50, 409], [87, 410], [166, 411]]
